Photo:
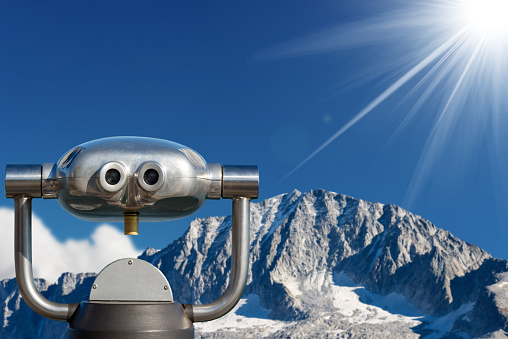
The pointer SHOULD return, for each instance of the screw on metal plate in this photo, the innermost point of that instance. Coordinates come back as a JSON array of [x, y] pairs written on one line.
[[166, 287], [130, 262], [94, 286]]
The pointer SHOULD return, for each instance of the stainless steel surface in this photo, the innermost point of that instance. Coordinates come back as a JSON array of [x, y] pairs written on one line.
[[239, 266], [131, 280], [23, 264], [183, 180], [49, 184], [215, 175], [240, 181], [23, 180]]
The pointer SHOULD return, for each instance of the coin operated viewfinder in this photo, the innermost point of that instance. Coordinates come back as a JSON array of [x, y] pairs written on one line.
[[131, 179]]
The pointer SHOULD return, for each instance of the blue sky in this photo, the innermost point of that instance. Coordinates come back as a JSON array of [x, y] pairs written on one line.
[[386, 101]]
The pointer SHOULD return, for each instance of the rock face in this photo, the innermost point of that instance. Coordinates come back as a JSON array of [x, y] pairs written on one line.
[[322, 265]]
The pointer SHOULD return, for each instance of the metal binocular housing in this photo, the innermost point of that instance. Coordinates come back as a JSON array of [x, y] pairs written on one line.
[[131, 179]]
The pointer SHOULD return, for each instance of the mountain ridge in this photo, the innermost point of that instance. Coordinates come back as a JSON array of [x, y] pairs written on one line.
[[301, 246]]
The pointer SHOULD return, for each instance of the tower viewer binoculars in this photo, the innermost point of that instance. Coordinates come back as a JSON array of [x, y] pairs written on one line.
[[131, 179]]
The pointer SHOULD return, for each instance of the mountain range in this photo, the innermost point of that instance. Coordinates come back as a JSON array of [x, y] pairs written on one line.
[[322, 265]]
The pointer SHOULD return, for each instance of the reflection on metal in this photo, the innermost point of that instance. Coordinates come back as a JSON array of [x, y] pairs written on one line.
[[131, 280], [240, 181], [23, 263], [215, 175], [23, 180], [194, 157], [49, 188], [67, 159], [239, 267]]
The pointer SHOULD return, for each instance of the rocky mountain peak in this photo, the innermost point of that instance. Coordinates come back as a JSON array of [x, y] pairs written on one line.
[[313, 254]]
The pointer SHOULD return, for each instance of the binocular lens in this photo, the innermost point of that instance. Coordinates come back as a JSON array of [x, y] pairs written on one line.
[[113, 176], [151, 176]]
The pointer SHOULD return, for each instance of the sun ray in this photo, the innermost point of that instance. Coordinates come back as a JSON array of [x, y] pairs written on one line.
[[427, 92], [457, 86], [431, 149], [437, 65], [384, 95]]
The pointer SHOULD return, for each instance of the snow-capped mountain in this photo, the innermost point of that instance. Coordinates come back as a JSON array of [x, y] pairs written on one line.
[[322, 265]]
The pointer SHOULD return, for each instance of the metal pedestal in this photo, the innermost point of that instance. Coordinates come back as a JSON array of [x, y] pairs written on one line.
[[126, 320]]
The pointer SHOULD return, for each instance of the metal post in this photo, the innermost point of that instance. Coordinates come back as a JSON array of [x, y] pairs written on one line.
[[23, 263], [239, 267]]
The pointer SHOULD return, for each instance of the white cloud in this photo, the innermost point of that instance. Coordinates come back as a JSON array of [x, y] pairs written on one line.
[[52, 257]]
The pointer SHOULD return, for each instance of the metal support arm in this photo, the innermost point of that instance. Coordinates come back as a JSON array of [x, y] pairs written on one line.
[[23, 263], [239, 267]]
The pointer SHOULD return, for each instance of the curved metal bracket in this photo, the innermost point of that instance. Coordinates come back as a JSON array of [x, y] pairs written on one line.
[[23, 262], [239, 267]]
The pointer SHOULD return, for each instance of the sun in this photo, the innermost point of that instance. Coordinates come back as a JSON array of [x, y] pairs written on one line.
[[488, 18]]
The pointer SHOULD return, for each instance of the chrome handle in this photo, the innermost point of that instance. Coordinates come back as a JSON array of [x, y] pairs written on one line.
[[23, 263], [239, 267]]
